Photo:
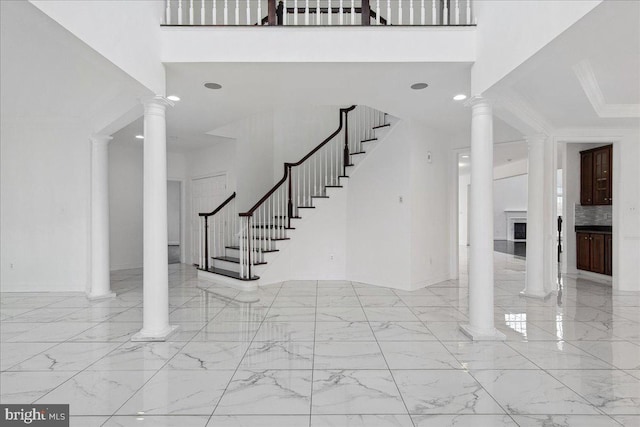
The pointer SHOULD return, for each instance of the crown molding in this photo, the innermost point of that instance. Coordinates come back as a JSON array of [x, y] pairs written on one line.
[[587, 78], [517, 112]]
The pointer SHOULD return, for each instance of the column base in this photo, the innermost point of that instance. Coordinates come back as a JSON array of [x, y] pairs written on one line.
[[542, 296], [482, 335], [92, 297], [143, 336]]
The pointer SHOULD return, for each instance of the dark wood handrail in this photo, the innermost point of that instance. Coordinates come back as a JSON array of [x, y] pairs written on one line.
[[219, 208], [288, 166]]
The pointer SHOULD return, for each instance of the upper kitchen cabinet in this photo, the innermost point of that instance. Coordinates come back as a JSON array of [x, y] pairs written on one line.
[[596, 176]]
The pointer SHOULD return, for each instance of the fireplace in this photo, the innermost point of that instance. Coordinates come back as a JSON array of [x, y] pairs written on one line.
[[519, 231]]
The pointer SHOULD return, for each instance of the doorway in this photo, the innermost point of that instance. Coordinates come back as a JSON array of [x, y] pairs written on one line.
[[174, 221]]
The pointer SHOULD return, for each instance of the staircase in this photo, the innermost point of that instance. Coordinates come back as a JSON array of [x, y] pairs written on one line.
[[234, 246]]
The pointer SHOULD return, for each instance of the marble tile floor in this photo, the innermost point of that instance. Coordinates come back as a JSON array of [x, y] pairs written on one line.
[[327, 353]]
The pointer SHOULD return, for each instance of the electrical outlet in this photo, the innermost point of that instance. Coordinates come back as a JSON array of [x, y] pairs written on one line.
[[331, 257], [400, 199]]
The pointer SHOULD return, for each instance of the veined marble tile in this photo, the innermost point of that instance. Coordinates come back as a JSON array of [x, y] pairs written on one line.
[[628, 420], [242, 313], [209, 356], [621, 354], [348, 355], [381, 301], [109, 331], [295, 301], [228, 331], [447, 331], [576, 331], [338, 301], [179, 393], [344, 331], [532, 392], [397, 314], [9, 331], [345, 291], [267, 392], [131, 315], [278, 355], [425, 301], [340, 314], [611, 391], [97, 392], [301, 291], [259, 421], [286, 331], [93, 314], [355, 392], [566, 421], [334, 284], [186, 331], [634, 372], [439, 314], [299, 284], [444, 392], [290, 314], [52, 332], [9, 312], [361, 421], [401, 331], [67, 356], [558, 355], [463, 420], [157, 421], [136, 356], [363, 289], [13, 353], [43, 315], [192, 314], [418, 355], [26, 387], [87, 421], [488, 355]]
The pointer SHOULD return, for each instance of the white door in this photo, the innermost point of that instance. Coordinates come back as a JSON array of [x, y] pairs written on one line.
[[207, 193]]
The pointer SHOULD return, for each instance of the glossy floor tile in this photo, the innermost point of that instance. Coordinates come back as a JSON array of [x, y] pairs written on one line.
[[327, 353]]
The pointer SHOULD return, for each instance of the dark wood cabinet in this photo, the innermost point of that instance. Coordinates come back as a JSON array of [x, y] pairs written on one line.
[[596, 176], [593, 252]]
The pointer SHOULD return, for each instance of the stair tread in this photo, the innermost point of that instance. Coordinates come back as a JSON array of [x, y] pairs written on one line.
[[233, 260], [357, 152], [264, 251], [369, 140], [333, 186], [306, 207], [319, 197], [283, 216], [382, 126], [271, 226], [266, 239], [232, 274]]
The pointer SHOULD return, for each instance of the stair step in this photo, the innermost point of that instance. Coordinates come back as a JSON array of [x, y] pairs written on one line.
[[333, 186], [271, 226], [382, 126], [343, 176], [369, 140], [264, 251], [265, 239], [306, 207], [357, 152], [232, 274], [350, 165], [319, 197], [233, 260], [285, 217]]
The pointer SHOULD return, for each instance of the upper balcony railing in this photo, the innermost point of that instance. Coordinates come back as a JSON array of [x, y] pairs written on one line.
[[319, 12]]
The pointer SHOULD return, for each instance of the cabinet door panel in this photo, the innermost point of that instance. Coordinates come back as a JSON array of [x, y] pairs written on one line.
[[601, 176], [583, 251], [597, 253], [586, 178], [608, 254]]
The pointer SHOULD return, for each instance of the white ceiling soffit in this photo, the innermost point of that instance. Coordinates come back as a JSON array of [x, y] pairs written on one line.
[[589, 83], [518, 113]]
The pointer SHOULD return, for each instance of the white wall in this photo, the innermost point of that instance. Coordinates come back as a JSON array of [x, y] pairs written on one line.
[[508, 194], [173, 212], [125, 204], [127, 33], [464, 181], [527, 24], [45, 206]]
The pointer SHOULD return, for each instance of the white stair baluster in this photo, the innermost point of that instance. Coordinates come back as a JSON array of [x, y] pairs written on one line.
[[445, 13], [389, 12], [202, 12], [329, 12], [468, 12], [341, 13], [295, 12], [457, 12], [399, 12], [423, 13], [434, 13], [179, 12], [190, 12], [167, 13], [353, 12], [226, 12], [237, 12], [306, 13], [259, 12], [377, 12], [318, 21], [410, 12], [214, 12]]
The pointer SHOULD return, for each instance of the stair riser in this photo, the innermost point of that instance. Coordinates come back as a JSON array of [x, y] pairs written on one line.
[[225, 265]]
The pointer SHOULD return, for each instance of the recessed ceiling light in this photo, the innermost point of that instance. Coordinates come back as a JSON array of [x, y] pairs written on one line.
[[460, 97], [173, 98], [139, 136], [465, 156], [418, 86], [212, 85]]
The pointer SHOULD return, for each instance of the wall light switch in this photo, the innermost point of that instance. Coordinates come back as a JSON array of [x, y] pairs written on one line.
[[429, 156]]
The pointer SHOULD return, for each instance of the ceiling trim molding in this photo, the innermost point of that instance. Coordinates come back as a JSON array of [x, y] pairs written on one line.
[[517, 112], [587, 78]]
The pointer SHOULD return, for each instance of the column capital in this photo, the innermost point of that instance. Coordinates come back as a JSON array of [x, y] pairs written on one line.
[[100, 139], [480, 105], [156, 104], [536, 138]]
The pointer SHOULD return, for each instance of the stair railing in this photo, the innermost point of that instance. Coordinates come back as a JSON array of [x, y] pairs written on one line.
[[217, 231]]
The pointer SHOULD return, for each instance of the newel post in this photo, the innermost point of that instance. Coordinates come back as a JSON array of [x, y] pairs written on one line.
[[206, 243], [345, 160], [290, 198]]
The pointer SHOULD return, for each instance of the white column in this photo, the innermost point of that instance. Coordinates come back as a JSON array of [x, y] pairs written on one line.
[[535, 282], [155, 325], [100, 277], [481, 325]]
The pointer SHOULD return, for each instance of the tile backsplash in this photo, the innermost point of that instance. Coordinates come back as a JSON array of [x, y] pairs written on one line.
[[593, 215]]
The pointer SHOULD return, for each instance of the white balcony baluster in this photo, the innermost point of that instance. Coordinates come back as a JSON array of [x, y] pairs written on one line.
[[179, 12], [214, 12], [457, 12], [295, 12], [423, 13], [341, 13], [377, 12], [237, 12], [306, 13], [259, 12], [353, 12], [434, 13], [190, 12], [226, 12], [468, 12], [399, 13], [445, 13], [202, 21], [167, 13], [329, 12], [389, 21], [410, 12]]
